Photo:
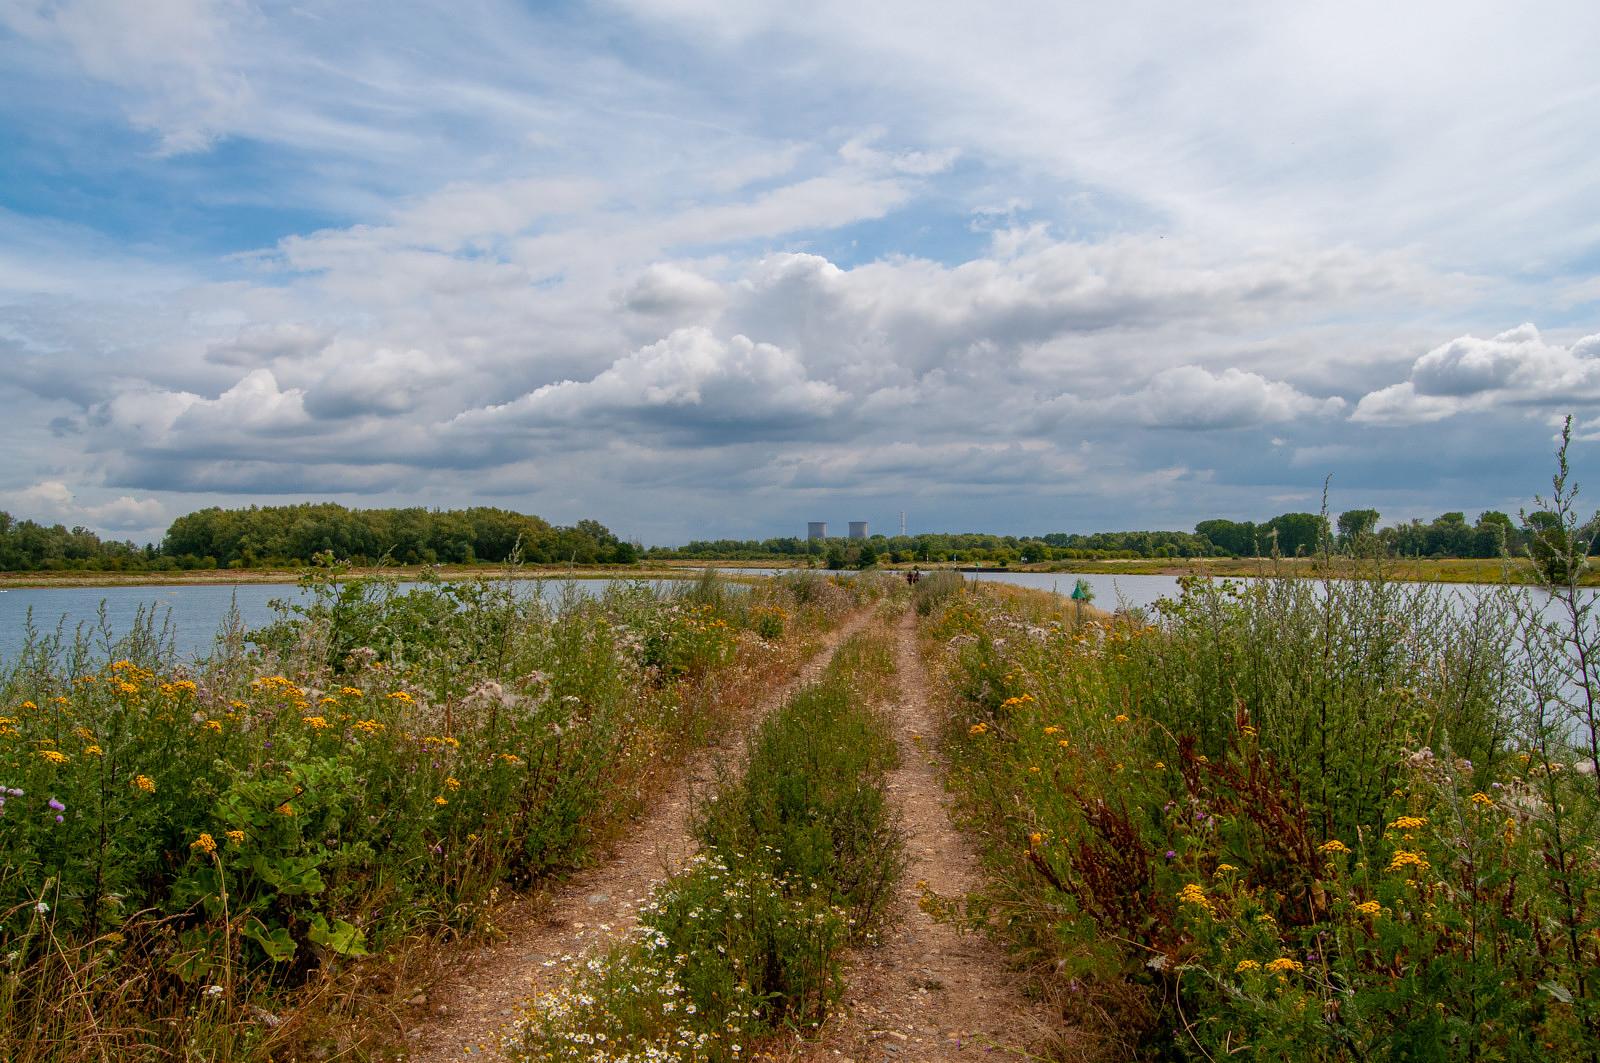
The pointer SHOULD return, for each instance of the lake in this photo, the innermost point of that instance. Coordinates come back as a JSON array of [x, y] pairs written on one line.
[[193, 612]]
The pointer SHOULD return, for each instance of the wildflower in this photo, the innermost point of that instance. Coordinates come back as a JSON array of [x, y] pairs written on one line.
[[1247, 965], [452, 784], [56, 806], [144, 784], [1403, 859], [1064, 744], [1223, 869], [509, 758], [1195, 894], [350, 692], [41, 907], [53, 757], [401, 695], [1121, 717], [1283, 965], [214, 726], [29, 705], [978, 729], [1333, 845], [1051, 730], [440, 801], [1248, 731], [93, 751], [1159, 765], [1409, 823], [1482, 799], [316, 723], [205, 843], [1370, 908], [236, 837], [285, 809], [84, 733], [1035, 838]]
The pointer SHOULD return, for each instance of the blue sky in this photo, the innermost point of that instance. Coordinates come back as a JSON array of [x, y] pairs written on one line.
[[700, 269]]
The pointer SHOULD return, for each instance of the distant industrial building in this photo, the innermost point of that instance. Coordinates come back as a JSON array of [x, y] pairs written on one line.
[[858, 529], [817, 529]]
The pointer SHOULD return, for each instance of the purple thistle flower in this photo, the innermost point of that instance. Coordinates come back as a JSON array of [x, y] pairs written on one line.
[[59, 819], [1171, 854], [56, 806]]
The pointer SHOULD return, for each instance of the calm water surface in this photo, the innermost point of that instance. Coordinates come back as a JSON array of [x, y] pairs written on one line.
[[193, 613]]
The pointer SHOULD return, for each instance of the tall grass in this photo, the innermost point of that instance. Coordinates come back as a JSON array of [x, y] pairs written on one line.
[[1334, 821], [186, 850]]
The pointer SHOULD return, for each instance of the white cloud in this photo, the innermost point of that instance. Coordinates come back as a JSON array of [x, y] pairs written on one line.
[[691, 381], [171, 57], [1192, 397], [1516, 368]]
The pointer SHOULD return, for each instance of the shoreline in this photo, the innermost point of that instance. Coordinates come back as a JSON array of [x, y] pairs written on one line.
[[1410, 570]]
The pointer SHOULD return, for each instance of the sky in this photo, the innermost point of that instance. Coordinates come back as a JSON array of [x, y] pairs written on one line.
[[703, 270]]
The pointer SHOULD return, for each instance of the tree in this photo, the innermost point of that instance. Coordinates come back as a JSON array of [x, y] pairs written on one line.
[[1356, 524], [1298, 533]]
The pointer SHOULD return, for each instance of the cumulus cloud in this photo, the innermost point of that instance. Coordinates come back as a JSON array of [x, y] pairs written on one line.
[[691, 382], [1192, 397], [1516, 368]]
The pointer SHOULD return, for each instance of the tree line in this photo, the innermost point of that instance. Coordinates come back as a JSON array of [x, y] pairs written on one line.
[[1492, 534], [274, 536], [285, 536]]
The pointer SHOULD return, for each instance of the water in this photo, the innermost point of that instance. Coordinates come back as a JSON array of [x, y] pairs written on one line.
[[193, 612]]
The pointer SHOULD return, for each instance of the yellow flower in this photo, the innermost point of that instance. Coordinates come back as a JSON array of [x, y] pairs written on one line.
[[1223, 869], [1121, 717], [84, 733], [401, 695], [452, 784], [1403, 859], [53, 757], [316, 723], [1064, 744], [1409, 822], [510, 758], [1033, 769], [1482, 799], [440, 801], [1333, 845], [285, 809], [1051, 730], [93, 751], [236, 837], [350, 692], [205, 843], [1195, 894], [1035, 838], [1371, 908], [370, 727], [1284, 964], [978, 729], [1158, 765], [214, 726], [1247, 965], [29, 705], [144, 783]]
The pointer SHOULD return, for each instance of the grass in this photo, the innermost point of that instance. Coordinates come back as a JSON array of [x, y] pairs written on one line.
[[207, 861], [800, 853]]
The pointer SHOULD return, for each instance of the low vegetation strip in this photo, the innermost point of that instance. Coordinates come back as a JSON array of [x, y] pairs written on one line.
[[800, 855], [190, 853], [1327, 821]]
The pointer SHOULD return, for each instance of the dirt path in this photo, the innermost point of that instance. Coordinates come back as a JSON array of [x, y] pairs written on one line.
[[488, 986], [928, 992]]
